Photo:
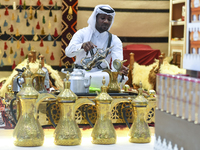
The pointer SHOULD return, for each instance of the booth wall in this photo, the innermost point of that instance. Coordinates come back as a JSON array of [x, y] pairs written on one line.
[[136, 22]]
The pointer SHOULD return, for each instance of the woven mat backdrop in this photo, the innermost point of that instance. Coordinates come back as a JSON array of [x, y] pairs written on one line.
[[44, 25]]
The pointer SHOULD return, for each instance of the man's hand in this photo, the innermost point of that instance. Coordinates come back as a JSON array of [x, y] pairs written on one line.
[[124, 70], [87, 46]]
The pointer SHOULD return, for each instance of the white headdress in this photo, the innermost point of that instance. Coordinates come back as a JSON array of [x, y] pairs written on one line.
[[101, 9]]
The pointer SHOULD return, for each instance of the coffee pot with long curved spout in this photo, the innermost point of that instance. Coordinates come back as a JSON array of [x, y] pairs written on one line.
[[103, 131], [67, 131], [113, 85], [17, 80], [139, 131], [38, 79], [90, 62], [28, 131]]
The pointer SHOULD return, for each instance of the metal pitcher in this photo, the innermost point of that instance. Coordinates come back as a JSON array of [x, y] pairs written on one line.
[[17, 80], [139, 131], [89, 62], [38, 79], [28, 131], [79, 83], [67, 131], [103, 131], [113, 85]]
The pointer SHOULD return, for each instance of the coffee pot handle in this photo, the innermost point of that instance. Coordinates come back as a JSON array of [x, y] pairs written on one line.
[[18, 81], [124, 116], [87, 116], [50, 115], [12, 111]]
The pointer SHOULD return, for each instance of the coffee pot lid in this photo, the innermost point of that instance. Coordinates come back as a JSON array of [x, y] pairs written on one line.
[[40, 71], [67, 96], [27, 71], [140, 100], [28, 91], [151, 97], [77, 72], [104, 97], [117, 64]]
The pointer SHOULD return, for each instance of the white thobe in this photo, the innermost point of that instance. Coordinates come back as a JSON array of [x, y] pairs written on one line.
[[99, 39]]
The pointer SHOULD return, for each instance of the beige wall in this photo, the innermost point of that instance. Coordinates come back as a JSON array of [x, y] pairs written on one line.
[[126, 24], [133, 24]]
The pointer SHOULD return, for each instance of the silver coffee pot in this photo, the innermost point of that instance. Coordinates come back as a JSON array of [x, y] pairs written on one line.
[[18, 80], [79, 83]]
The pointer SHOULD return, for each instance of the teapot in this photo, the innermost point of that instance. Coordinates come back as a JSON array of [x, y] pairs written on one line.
[[79, 84], [67, 131]]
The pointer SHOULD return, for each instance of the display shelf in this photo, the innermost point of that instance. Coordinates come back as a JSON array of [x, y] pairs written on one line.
[[178, 1], [191, 58], [177, 23], [177, 42], [177, 28]]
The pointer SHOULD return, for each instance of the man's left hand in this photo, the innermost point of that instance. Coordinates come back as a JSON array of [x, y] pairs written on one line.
[[124, 70]]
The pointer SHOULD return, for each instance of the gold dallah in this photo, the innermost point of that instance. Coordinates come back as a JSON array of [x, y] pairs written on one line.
[[28, 131], [67, 131], [139, 131]]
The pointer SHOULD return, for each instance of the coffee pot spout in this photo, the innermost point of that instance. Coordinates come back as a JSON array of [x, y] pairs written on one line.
[[87, 82]]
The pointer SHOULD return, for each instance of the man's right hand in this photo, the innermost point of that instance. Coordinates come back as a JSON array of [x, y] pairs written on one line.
[[87, 46]]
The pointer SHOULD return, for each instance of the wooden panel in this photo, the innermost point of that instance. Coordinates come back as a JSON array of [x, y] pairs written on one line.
[[144, 23], [144, 4], [134, 24]]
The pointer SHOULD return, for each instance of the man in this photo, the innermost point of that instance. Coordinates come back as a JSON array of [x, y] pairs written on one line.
[[86, 41]]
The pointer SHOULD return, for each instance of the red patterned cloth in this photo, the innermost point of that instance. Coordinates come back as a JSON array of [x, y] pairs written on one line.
[[143, 54]]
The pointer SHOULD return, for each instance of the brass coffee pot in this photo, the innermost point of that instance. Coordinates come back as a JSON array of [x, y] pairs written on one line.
[[18, 103], [9, 95], [67, 131], [103, 131], [38, 79], [113, 85], [28, 131], [139, 131]]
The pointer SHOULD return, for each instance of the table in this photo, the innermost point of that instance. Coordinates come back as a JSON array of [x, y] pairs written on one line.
[[116, 115], [143, 54], [122, 142]]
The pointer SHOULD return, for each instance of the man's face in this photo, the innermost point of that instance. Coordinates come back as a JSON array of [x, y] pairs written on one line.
[[103, 22]]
